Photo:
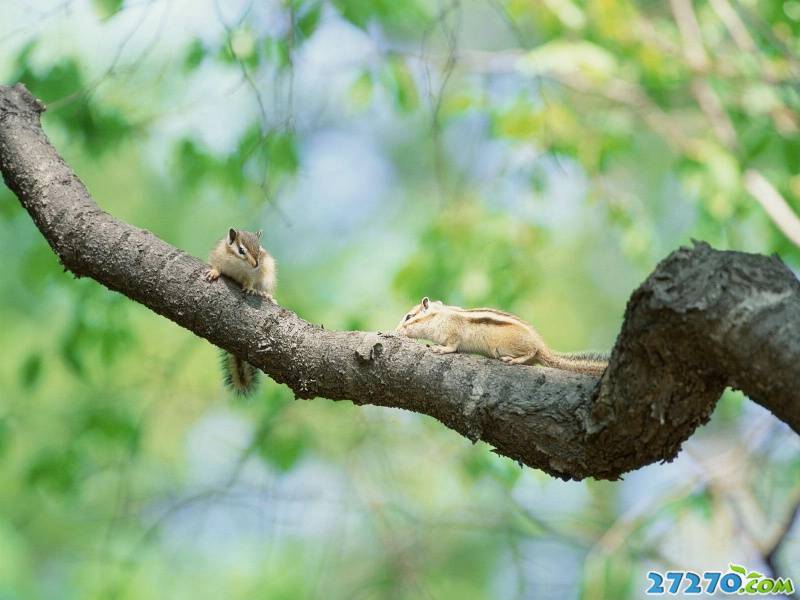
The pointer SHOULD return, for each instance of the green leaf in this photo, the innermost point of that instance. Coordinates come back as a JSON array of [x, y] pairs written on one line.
[[308, 22], [100, 333], [31, 370], [282, 446], [360, 92], [562, 56], [407, 15], [702, 502], [71, 349], [39, 267], [243, 46], [403, 85], [195, 54], [282, 153], [110, 424], [5, 434], [98, 127], [194, 165], [476, 463], [277, 52], [10, 207], [56, 471], [106, 9]]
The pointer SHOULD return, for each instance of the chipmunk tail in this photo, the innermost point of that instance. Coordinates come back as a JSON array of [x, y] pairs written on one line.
[[239, 375], [589, 363]]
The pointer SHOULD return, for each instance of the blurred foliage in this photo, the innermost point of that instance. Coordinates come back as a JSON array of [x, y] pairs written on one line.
[[539, 156], [98, 128]]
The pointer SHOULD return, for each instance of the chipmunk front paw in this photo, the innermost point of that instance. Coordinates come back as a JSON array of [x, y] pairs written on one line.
[[211, 275]]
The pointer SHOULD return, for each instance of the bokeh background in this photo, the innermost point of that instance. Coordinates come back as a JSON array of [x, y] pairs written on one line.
[[540, 156]]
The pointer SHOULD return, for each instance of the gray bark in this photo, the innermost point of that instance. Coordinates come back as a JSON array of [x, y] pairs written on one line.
[[702, 321]]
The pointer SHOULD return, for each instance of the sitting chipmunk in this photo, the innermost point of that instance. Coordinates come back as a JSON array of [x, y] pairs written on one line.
[[240, 256], [491, 333]]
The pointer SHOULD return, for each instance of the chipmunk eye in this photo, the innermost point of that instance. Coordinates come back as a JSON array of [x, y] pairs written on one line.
[[241, 250], [408, 316]]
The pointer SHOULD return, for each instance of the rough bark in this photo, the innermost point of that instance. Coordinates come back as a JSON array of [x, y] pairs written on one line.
[[702, 321]]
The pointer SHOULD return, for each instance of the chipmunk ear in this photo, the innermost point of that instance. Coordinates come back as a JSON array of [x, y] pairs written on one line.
[[232, 235], [258, 233], [425, 302]]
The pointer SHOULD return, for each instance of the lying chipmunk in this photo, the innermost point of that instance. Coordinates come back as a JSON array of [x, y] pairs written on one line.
[[491, 333]]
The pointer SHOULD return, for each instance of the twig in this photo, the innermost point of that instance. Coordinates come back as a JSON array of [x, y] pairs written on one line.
[[697, 58], [771, 557], [693, 48], [774, 204], [734, 24]]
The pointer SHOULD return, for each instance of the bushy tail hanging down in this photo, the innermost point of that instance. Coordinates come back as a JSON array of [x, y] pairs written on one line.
[[590, 363], [240, 376]]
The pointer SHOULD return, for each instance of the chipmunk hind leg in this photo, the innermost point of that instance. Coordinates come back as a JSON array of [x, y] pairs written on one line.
[[525, 359], [447, 349], [519, 352]]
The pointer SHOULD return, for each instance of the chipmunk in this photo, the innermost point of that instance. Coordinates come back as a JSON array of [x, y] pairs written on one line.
[[240, 256], [492, 333]]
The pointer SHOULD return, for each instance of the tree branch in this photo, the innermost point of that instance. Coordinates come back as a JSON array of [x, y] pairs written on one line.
[[703, 320]]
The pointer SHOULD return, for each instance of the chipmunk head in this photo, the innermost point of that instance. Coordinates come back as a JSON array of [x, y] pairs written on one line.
[[419, 321], [245, 245]]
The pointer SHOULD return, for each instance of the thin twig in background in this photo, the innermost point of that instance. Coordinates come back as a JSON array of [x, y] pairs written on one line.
[[693, 48], [736, 27], [696, 57], [779, 538], [774, 204], [436, 97], [266, 129]]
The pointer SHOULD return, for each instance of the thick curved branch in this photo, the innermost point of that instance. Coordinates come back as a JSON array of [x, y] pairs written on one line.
[[703, 320]]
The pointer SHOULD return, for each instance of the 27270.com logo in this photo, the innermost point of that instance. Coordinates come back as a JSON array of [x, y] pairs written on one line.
[[738, 580]]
